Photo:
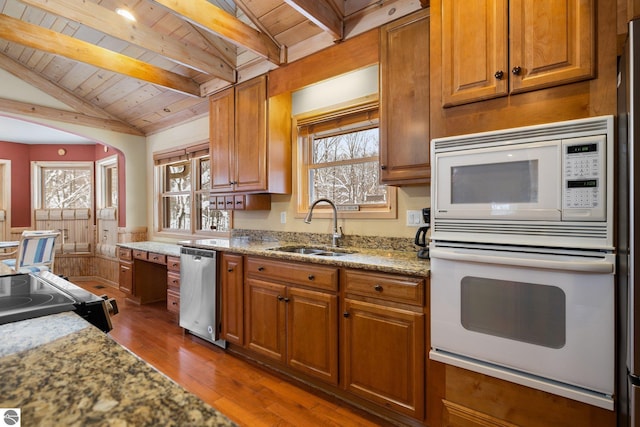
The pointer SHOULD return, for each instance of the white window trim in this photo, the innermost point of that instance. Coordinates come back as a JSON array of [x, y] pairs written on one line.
[[36, 177], [101, 183]]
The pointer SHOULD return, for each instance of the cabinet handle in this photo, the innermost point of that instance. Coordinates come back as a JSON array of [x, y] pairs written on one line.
[[378, 288], [499, 74], [286, 299], [345, 314], [280, 297], [311, 277], [174, 303], [238, 202], [516, 71], [261, 268], [230, 270], [383, 167]]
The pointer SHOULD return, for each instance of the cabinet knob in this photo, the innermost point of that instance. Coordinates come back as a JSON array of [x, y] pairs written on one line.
[[345, 314], [286, 299], [516, 71], [280, 297], [378, 288], [311, 277], [260, 268], [230, 270], [383, 167], [499, 74]]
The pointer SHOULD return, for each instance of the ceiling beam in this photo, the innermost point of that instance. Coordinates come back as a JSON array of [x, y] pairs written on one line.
[[321, 14], [39, 38], [214, 19], [110, 23], [32, 110], [63, 95]]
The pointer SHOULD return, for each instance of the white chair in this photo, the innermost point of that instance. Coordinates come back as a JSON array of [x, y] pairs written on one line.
[[36, 252]]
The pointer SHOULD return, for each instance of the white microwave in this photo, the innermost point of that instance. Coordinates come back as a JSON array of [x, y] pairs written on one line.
[[545, 185]]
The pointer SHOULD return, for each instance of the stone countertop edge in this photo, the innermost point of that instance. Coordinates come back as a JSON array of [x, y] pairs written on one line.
[[385, 261], [73, 374]]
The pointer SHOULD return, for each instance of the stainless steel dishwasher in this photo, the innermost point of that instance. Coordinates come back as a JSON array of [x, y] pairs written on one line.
[[199, 308]]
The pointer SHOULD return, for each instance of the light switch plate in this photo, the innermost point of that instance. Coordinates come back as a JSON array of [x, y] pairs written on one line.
[[414, 218]]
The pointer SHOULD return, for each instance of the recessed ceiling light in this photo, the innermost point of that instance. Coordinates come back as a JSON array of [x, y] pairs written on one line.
[[126, 14]]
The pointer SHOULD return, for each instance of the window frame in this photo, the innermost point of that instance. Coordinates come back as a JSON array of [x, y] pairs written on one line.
[[194, 154], [104, 168], [332, 121], [36, 180]]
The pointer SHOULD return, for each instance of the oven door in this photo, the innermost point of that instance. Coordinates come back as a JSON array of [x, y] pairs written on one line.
[[512, 181], [538, 318]]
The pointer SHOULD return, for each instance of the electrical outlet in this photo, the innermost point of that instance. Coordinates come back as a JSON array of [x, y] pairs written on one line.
[[413, 218], [283, 217]]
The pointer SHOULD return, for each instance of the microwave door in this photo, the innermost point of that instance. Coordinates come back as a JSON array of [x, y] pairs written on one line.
[[517, 183]]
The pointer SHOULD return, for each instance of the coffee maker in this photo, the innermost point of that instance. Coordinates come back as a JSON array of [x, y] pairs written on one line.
[[421, 235]]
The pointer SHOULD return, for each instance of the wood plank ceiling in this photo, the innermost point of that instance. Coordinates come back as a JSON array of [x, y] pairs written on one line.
[[142, 76]]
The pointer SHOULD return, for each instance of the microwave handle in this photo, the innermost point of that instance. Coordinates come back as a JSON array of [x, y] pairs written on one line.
[[593, 266]]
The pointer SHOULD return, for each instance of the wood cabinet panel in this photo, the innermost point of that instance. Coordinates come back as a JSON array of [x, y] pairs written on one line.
[[404, 100], [265, 318], [310, 275], [384, 356], [222, 137], [173, 301], [125, 277], [173, 263], [312, 331], [388, 287], [232, 294]]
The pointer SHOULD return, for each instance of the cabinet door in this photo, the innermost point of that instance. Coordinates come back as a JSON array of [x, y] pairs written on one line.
[[474, 50], [221, 144], [404, 100], [265, 318], [312, 333], [125, 277], [552, 42], [251, 135], [232, 287], [384, 355]]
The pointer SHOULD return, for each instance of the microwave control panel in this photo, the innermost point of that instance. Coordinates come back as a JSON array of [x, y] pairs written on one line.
[[584, 179]]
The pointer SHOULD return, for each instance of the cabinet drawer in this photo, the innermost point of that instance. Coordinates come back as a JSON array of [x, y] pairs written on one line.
[[125, 253], [409, 290], [173, 301], [173, 280], [157, 258], [173, 263], [138, 254], [304, 274]]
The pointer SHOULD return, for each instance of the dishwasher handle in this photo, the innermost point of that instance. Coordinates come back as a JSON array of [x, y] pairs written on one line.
[[197, 253]]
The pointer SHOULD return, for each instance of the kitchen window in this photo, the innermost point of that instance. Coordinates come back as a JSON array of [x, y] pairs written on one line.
[[338, 158], [183, 182]]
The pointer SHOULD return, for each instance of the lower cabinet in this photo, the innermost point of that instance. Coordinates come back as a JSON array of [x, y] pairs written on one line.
[[173, 284], [290, 323], [232, 294]]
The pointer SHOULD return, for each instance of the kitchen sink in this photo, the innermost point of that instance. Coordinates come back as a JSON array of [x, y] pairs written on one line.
[[306, 250]]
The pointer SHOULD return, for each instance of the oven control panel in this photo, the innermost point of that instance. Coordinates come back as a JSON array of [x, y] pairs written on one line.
[[584, 179]]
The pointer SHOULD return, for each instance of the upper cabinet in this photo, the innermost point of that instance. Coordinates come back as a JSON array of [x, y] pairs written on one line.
[[404, 100], [493, 48], [250, 137]]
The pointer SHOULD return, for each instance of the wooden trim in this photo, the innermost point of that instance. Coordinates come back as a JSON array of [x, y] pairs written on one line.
[[321, 14]]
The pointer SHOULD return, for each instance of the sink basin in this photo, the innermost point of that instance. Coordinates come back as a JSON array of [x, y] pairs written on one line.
[[305, 250]]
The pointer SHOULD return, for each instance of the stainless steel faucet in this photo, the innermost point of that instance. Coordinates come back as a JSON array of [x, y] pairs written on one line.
[[337, 233]]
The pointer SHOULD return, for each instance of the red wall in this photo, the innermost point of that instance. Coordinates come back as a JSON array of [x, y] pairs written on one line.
[[21, 156]]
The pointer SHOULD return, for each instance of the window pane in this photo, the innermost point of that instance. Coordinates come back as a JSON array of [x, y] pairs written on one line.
[[210, 218], [354, 184], [177, 212], [205, 174], [112, 186], [66, 188], [348, 146], [178, 177]]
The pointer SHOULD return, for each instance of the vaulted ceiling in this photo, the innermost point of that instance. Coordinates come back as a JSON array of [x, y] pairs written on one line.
[[146, 75]]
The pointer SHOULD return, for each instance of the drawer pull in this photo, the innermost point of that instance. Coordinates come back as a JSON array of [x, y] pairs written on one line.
[[378, 288], [345, 314], [230, 270], [261, 268], [311, 277], [280, 297]]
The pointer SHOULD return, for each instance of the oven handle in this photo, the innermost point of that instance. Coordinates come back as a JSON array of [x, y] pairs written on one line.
[[601, 267]]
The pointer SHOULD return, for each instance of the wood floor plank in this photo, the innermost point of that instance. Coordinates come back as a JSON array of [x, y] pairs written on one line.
[[247, 394]]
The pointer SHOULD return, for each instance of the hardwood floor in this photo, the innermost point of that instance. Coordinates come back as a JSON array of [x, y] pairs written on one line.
[[248, 395]]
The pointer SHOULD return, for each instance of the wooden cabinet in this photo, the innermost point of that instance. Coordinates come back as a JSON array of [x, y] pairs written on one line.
[[142, 275], [404, 100], [173, 284], [291, 315], [384, 343], [232, 294], [493, 48], [250, 140]]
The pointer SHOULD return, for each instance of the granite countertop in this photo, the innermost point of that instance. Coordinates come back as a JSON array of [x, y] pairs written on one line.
[[60, 370], [170, 249], [382, 260]]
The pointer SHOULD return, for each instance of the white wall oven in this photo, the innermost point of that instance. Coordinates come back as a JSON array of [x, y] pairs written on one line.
[[522, 262]]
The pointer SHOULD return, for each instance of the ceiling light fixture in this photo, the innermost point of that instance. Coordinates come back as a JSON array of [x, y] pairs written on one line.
[[125, 14]]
